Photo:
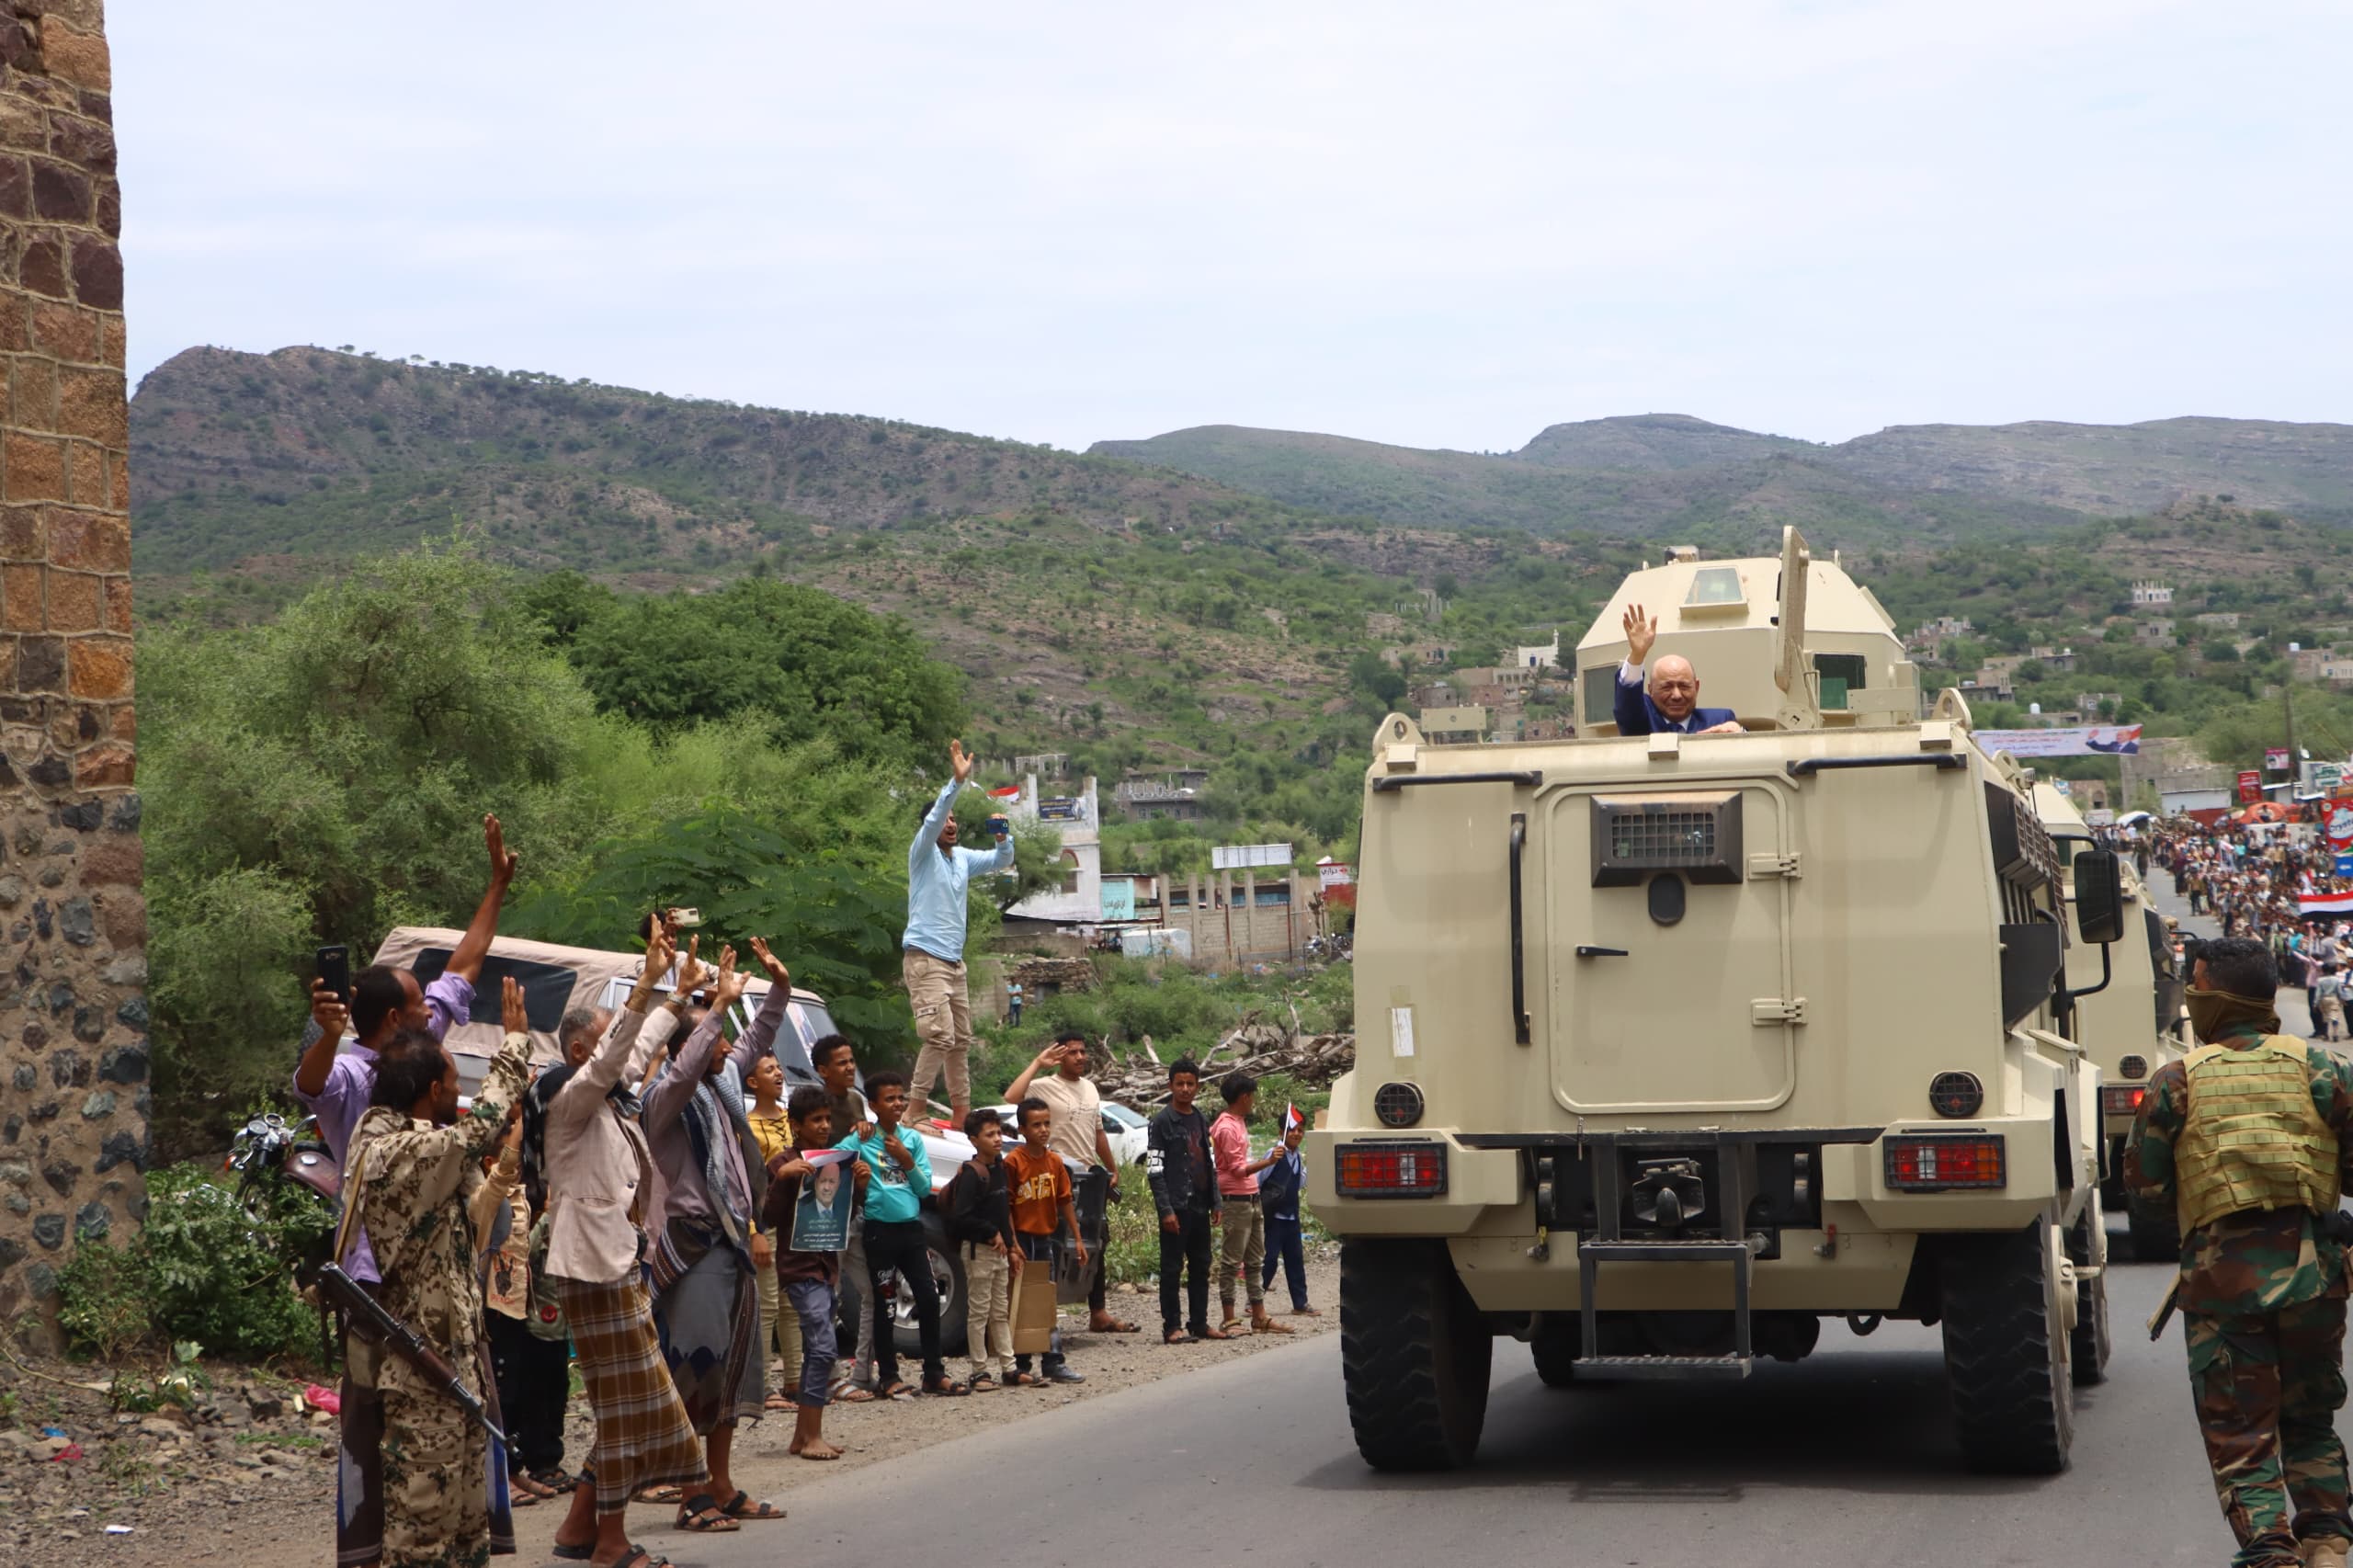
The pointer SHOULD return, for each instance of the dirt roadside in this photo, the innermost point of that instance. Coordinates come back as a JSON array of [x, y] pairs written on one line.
[[270, 1502]]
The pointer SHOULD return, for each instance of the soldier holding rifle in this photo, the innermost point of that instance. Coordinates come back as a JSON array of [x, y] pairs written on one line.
[[2248, 1138], [415, 1163]]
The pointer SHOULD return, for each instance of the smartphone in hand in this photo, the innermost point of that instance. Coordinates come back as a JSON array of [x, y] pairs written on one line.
[[335, 967]]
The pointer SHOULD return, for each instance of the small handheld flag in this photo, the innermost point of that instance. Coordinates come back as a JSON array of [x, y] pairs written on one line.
[[1291, 1119]]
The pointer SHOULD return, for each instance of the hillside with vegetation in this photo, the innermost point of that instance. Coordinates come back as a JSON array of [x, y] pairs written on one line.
[[1672, 477]]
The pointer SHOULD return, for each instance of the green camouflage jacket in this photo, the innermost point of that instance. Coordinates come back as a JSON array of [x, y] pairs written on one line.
[[2256, 1261]]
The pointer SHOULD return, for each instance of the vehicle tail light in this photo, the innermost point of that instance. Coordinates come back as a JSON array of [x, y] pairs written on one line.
[[1942, 1161], [1389, 1170], [1954, 1096], [2122, 1099]]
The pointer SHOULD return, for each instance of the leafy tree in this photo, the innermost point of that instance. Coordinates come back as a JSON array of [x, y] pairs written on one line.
[[808, 664]]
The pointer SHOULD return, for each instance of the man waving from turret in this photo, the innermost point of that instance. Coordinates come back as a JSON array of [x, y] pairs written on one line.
[[1671, 701]]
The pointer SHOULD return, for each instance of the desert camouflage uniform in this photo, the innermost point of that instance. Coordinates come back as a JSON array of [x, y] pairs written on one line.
[[2262, 1300], [436, 1504]]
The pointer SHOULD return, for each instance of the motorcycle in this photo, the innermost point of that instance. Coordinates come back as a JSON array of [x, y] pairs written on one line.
[[280, 1164]]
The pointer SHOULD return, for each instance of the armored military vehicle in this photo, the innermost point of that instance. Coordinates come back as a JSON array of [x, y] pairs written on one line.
[[2130, 1020], [1672, 1046]]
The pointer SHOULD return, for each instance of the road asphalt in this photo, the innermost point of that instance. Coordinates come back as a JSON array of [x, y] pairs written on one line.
[[1846, 1457]]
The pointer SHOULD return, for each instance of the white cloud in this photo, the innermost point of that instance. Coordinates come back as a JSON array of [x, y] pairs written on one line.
[[1434, 226]]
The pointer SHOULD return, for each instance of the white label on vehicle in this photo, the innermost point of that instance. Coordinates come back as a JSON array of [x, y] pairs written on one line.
[[1401, 1030]]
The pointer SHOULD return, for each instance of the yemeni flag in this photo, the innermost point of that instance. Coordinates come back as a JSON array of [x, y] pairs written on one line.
[[2326, 903], [1291, 1119]]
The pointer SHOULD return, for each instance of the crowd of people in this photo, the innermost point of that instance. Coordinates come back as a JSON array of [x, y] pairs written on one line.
[[2261, 879], [635, 1210]]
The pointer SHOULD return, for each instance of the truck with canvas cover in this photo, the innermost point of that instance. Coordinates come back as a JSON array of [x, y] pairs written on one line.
[[2131, 1020], [1672, 1046]]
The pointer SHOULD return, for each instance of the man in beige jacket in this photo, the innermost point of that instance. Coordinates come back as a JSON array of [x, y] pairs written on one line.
[[601, 1189]]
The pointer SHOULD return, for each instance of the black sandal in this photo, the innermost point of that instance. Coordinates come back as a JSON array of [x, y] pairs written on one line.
[[945, 1387], [701, 1515], [574, 1553], [743, 1508], [982, 1384], [640, 1558], [894, 1389]]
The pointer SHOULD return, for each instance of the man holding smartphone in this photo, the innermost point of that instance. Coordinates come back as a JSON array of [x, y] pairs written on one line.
[[336, 1088], [932, 957]]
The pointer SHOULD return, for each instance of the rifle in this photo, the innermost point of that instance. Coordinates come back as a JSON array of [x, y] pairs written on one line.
[[2163, 1314], [404, 1342], [2337, 1225]]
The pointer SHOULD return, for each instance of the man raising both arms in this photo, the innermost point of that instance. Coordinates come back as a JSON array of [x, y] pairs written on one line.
[[1672, 701], [932, 957]]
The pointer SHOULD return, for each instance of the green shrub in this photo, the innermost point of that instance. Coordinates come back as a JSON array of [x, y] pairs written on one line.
[[202, 1270]]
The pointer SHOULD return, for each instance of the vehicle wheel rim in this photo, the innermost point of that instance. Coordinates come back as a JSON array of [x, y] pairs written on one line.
[[902, 1302]]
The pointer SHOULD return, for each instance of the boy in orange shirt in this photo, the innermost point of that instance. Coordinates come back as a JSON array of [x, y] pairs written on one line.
[[1040, 1183]]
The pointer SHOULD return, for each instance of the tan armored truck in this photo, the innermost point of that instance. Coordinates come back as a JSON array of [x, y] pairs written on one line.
[[2129, 1021], [1670, 1046]]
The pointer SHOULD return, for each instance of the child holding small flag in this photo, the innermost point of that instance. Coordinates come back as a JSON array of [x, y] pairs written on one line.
[[1279, 1190]]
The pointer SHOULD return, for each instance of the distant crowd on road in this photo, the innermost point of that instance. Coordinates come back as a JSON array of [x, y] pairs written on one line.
[[661, 1208], [2263, 879]]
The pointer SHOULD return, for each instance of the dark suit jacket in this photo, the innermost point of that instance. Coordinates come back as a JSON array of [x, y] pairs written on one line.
[[1637, 715]]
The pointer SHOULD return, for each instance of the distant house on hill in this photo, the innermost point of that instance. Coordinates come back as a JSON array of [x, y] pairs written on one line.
[[2151, 595]]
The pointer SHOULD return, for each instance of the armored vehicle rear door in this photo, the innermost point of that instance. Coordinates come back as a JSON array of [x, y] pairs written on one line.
[[1668, 965]]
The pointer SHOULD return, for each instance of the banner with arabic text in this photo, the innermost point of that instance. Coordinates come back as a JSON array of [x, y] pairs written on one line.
[[2085, 740]]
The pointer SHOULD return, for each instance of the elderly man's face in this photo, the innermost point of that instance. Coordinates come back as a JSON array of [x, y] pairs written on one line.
[[1675, 687]]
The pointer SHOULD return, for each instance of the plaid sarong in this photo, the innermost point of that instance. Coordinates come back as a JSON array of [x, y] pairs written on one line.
[[643, 1437]]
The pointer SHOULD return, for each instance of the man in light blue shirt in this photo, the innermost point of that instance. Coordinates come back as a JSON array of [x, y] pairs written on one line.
[[932, 953]]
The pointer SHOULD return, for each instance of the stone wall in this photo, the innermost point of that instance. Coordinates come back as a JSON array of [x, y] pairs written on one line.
[[73, 1081]]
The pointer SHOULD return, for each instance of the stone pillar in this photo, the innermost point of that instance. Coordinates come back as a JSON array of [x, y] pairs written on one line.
[[72, 1014]]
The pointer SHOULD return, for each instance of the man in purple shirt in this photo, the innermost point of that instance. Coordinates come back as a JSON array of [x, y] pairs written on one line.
[[335, 1088]]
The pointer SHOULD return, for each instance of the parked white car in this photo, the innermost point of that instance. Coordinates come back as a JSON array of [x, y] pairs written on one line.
[[1126, 1131]]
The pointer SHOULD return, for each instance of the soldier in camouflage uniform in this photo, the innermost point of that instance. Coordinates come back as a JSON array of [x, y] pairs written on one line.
[[417, 1161], [2248, 1140]]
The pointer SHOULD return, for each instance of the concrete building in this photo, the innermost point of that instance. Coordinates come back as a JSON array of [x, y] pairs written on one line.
[[1147, 800], [74, 1141], [1079, 900], [2157, 630], [2150, 596], [1539, 656], [1242, 915]]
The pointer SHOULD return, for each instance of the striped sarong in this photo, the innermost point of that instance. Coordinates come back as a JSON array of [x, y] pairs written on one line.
[[643, 1437]]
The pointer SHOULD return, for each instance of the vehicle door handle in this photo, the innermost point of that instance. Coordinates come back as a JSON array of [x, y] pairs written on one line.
[[1602, 953]]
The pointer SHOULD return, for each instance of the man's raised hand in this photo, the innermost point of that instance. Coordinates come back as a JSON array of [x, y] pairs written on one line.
[[690, 969], [1641, 632], [502, 862], [731, 983], [511, 1009], [327, 1010], [776, 971], [957, 763]]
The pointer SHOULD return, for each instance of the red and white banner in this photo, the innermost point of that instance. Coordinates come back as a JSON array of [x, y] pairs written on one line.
[[2250, 787], [2339, 822], [2326, 903]]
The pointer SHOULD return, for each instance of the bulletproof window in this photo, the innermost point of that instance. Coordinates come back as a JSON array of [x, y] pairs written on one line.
[[1600, 694], [1716, 585], [1841, 672], [1698, 834]]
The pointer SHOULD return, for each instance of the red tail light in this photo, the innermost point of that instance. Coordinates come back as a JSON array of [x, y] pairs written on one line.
[[1942, 1162], [2122, 1099], [1389, 1170]]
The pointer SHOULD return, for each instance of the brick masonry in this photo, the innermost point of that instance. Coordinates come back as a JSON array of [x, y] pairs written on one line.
[[73, 1050]]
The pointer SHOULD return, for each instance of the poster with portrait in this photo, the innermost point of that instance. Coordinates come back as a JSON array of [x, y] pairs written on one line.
[[821, 1218]]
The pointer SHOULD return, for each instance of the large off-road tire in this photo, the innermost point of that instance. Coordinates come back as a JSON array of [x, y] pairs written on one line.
[[1413, 1354], [2155, 1231], [1555, 1348], [2088, 1344], [2005, 1353]]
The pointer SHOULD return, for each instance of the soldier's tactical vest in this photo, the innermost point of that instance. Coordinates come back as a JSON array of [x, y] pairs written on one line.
[[2253, 1138]]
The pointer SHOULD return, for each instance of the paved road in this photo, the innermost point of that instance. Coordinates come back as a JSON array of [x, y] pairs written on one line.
[[1846, 1457]]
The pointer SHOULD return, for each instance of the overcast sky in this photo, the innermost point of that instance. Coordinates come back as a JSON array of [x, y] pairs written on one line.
[[1437, 225]]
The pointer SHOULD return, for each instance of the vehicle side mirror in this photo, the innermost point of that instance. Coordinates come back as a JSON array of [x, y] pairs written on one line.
[[2099, 896]]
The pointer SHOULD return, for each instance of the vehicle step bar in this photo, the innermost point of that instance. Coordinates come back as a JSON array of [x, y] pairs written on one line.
[[1730, 1368], [1611, 1244]]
